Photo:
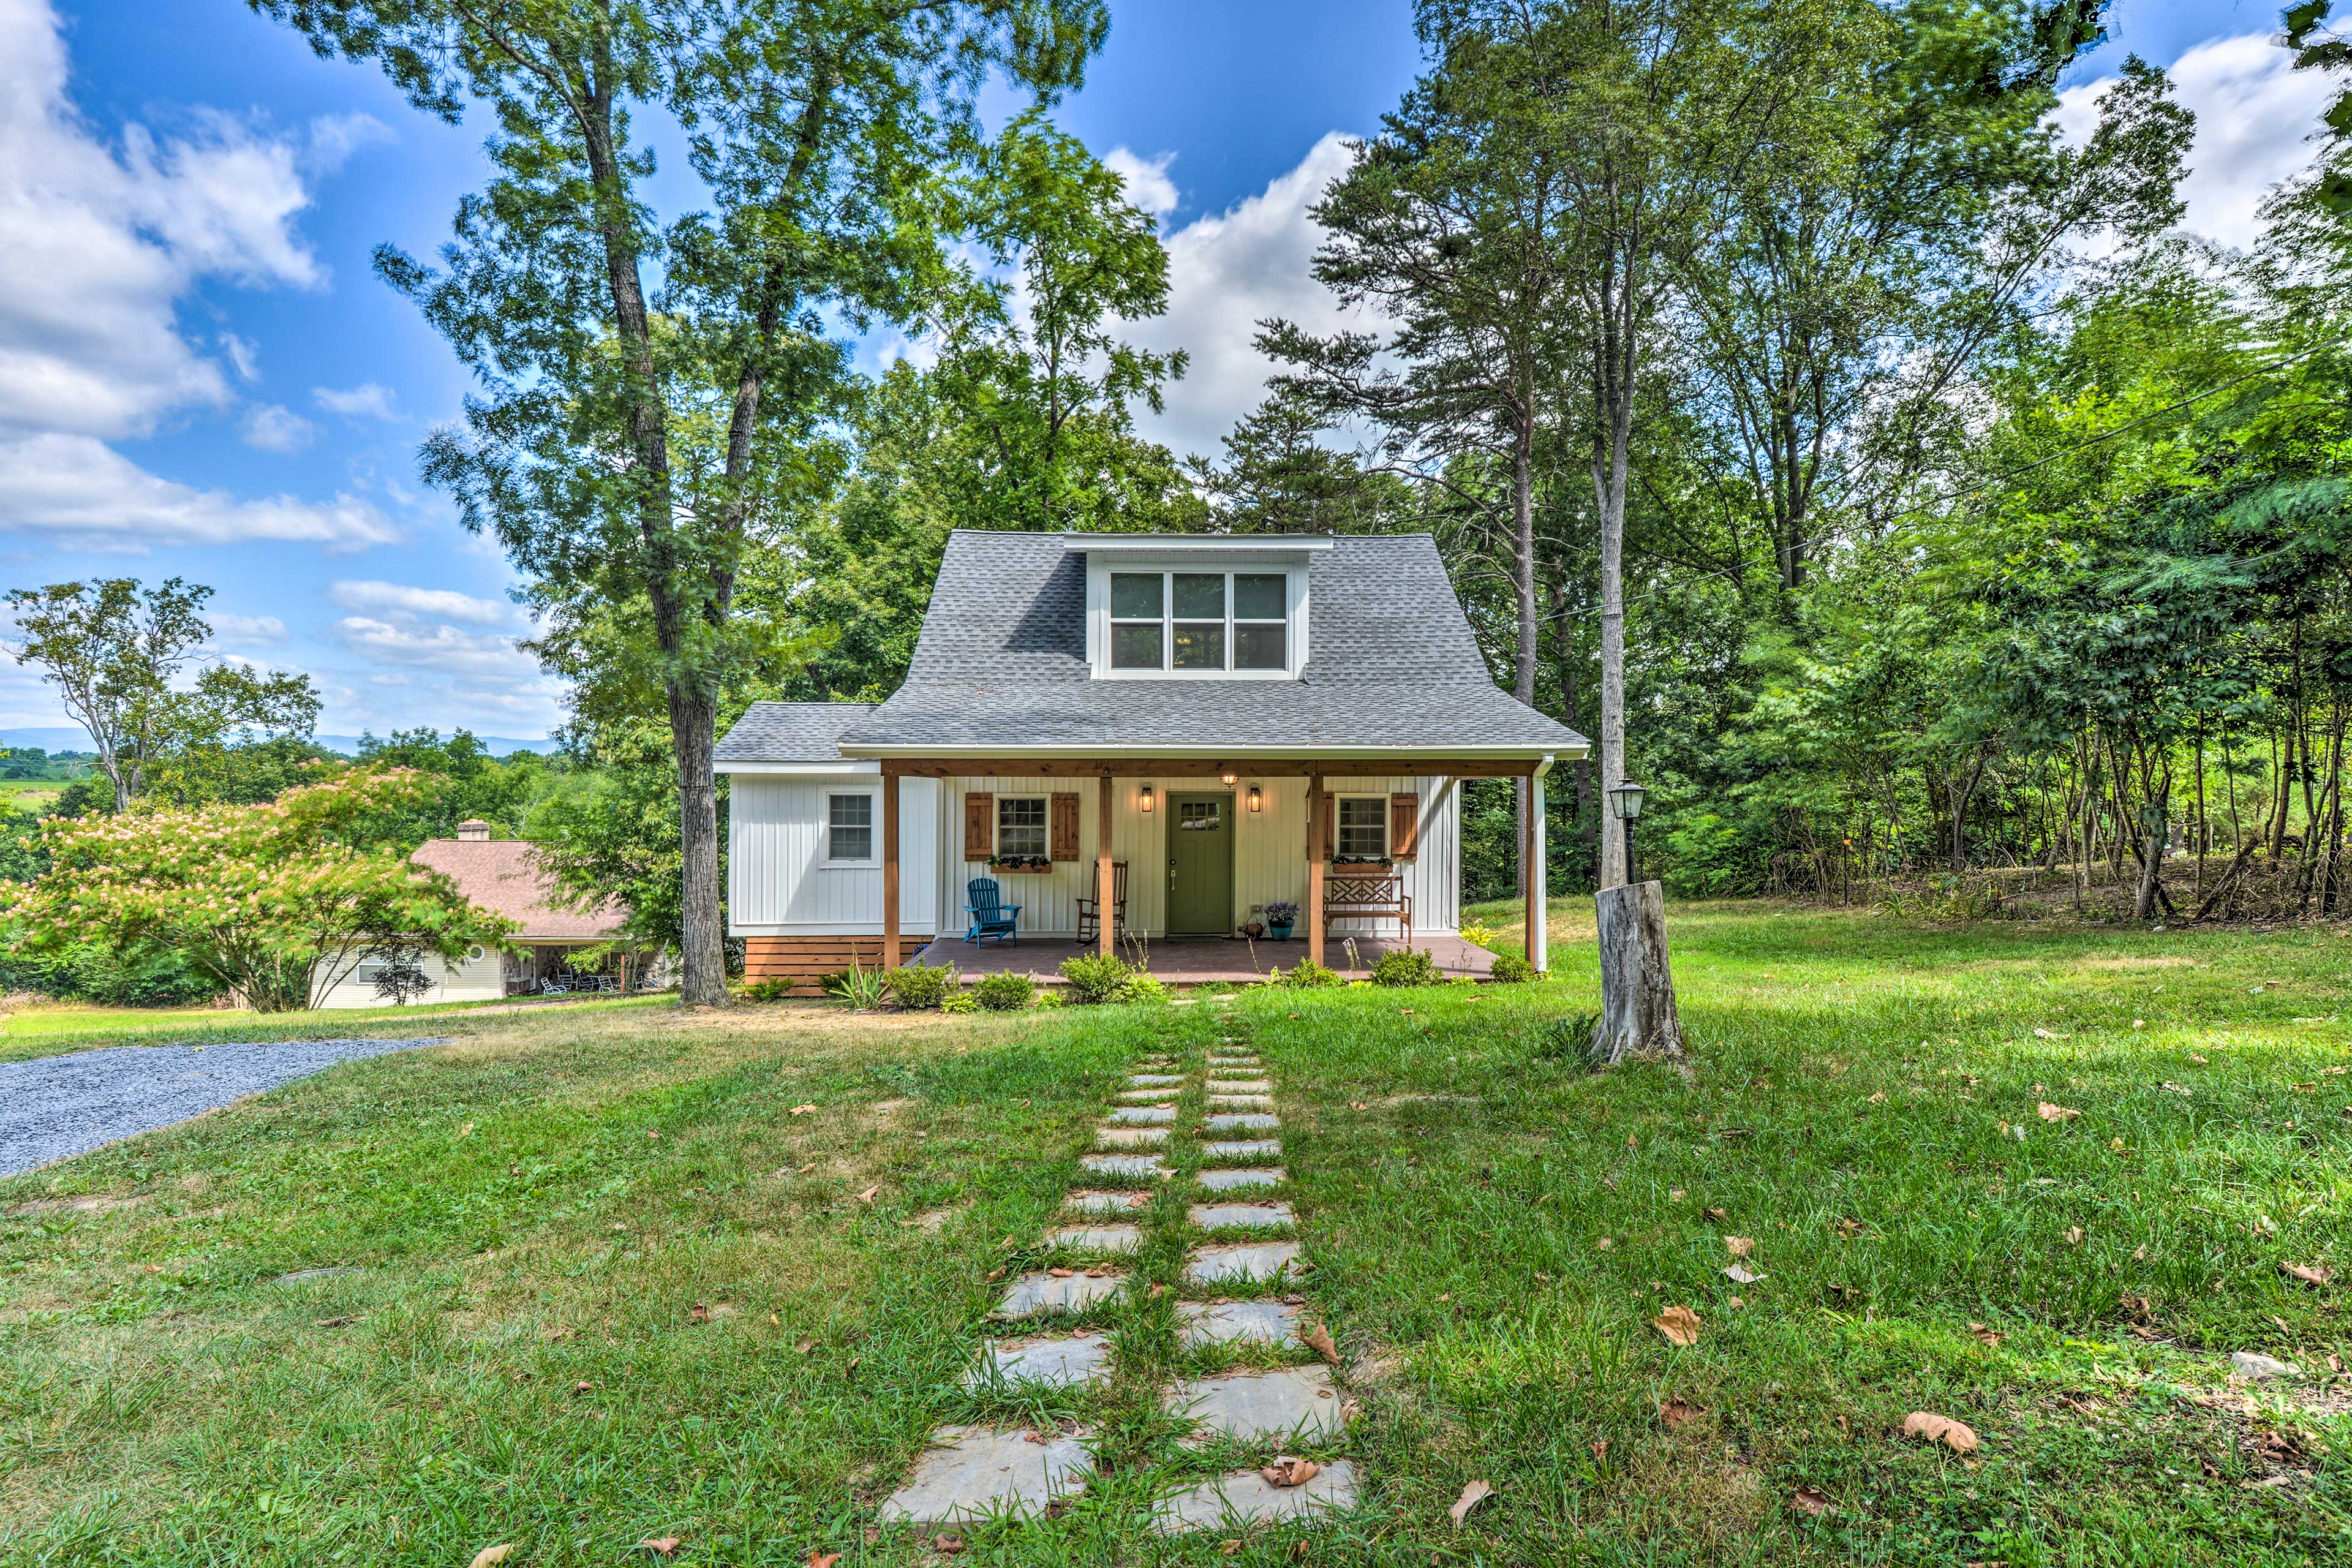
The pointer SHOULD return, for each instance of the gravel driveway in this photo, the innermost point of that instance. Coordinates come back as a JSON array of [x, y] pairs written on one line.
[[54, 1107]]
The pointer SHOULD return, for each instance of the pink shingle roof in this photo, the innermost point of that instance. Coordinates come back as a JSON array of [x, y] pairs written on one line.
[[504, 877]]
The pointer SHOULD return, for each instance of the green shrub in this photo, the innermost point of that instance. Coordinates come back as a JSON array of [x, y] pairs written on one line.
[[961, 1000], [1513, 969], [1099, 977], [1005, 992], [921, 988], [775, 990], [1406, 966], [1051, 999], [1141, 987], [1308, 975]]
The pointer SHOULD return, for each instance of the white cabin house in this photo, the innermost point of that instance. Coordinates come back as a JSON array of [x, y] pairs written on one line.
[[543, 957], [1189, 731]]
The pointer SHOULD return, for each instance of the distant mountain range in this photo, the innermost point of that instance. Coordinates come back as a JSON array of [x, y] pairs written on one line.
[[65, 740]]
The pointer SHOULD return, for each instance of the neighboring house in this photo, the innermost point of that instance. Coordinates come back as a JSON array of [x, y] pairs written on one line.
[[1238, 720], [504, 877]]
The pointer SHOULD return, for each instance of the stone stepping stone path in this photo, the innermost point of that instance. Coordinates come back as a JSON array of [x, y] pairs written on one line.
[[1065, 1360], [1205, 1323], [1245, 1497], [971, 1472], [1292, 1406], [1228, 1306], [1252, 1217]]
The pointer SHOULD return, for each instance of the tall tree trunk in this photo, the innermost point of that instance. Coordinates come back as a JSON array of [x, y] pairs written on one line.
[[1523, 589], [2155, 833], [1614, 366], [1564, 656]]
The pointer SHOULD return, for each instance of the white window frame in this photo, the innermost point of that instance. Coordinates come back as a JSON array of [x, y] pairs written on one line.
[[873, 827], [1101, 622], [1044, 826], [1338, 831]]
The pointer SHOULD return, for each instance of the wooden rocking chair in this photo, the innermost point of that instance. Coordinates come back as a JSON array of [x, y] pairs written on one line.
[[1090, 908]]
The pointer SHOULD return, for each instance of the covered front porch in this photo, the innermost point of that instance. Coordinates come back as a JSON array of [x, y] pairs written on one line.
[[1195, 853], [1199, 960]]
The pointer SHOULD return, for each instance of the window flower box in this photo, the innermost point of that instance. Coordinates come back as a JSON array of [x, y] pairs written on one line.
[[1021, 865], [1382, 861]]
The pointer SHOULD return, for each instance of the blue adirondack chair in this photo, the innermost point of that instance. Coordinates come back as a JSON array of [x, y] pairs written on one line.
[[990, 916]]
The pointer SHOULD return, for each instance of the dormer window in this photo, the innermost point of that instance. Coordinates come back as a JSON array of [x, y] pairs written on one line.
[[1197, 607], [1204, 622]]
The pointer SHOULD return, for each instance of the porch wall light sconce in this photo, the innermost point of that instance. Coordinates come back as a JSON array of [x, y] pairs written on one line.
[[1227, 779], [1146, 801], [1256, 799]]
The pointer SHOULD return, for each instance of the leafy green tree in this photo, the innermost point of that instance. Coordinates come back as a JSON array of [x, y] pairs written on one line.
[[114, 651], [2319, 48], [822, 130], [272, 902]]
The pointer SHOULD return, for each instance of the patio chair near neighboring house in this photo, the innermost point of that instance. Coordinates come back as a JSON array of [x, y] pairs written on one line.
[[1090, 908], [990, 915]]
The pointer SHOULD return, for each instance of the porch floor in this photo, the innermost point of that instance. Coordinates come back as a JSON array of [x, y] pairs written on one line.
[[1193, 960]]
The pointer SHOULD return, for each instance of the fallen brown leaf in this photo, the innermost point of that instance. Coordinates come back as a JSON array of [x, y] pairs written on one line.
[[1929, 1427], [1806, 1501], [1679, 1324], [1740, 1275], [947, 1546], [2073, 1236], [805, 1345], [822, 1558], [1878, 1098], [1287, 1471], [867, 1195], [662, 1545], [1676, 1414], [1739, 1246], [802, 1110], [1717, 1216], [698, 1313], [1473, 1494], [2309, 1273], [2049, 1112], [1985, 1334], [1062, 1273], [1319, 1339], [492, 1556]]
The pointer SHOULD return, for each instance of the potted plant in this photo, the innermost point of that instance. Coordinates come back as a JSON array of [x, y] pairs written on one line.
[[1279, 919]]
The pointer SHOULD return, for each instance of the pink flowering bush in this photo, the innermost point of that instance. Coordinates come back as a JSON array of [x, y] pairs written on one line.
[[273, 902]]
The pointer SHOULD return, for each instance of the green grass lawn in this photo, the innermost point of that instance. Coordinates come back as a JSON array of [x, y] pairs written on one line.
[[50, 1028], [535, 1212]]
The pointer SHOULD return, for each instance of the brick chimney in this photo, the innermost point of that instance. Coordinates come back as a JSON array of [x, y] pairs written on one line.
[[473, 830]]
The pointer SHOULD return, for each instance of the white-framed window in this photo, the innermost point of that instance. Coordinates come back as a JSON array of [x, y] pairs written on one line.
[[1200, 623], [1020, 826], [1363, 827], [849, 828]]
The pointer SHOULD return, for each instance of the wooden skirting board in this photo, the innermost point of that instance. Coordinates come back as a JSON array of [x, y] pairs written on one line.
[[808, 959]]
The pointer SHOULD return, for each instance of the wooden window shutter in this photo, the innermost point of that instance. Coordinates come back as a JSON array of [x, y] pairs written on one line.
[[1330, 823], [979, 826], [1066, 827], [1404, 825]]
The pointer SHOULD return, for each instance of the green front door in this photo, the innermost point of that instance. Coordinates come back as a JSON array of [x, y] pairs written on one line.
[[1199, 865]]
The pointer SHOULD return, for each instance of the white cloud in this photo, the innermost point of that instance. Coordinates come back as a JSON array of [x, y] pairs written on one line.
[[2255, 114], [273, 427], [81, 492], [365, 401], [450, 650], [231, 630], [106, 238], [1146, 179], [1224, 273], [402, 601]]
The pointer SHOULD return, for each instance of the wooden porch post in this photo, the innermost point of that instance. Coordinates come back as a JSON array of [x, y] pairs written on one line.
[[1106, 911], [890, 870], [1315, 868], [1539, 903], [1531, 877]]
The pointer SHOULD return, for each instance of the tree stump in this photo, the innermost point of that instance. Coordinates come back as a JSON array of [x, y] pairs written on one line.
[[1637, 988]]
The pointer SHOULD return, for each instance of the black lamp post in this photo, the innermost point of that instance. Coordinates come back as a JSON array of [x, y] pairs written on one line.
[[1626, 805]]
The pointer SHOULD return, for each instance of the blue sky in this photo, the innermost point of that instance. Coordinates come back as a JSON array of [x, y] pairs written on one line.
[[199, 375]]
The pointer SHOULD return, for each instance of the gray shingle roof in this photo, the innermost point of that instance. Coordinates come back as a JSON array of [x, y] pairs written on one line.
[[790, 732], [1002, 663]]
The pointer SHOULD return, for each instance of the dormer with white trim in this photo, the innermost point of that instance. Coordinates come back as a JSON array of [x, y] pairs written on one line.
[[1196, 606]]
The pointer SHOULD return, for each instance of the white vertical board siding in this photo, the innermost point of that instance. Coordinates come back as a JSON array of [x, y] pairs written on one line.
[[481, 979], [777, 883], [1269, 851]]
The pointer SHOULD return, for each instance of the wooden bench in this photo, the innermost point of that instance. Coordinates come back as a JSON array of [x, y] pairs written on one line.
[[1352, 896]]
